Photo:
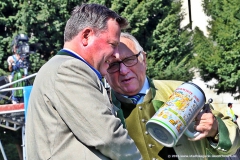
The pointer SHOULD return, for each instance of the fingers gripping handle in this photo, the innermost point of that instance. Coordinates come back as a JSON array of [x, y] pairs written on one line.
[[206, 107], [191, 134], [195, 134]]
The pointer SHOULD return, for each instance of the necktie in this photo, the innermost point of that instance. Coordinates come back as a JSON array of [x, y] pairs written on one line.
[[136, 97]]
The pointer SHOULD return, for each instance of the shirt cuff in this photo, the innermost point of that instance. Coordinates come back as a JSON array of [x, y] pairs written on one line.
[[224, 142]]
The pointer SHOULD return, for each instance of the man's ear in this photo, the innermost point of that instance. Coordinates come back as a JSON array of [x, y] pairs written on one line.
[[85, 36], [145, 58]]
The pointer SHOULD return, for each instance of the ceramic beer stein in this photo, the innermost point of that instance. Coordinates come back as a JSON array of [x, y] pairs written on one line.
[[173, 118]]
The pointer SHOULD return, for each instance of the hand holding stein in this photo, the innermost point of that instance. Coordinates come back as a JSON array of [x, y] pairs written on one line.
[[174, 117]]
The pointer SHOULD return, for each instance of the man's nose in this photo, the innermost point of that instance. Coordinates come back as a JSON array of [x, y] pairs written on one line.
[[123, 69], [116, 53]]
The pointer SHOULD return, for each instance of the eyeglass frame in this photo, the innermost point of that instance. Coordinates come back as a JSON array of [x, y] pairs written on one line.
[[119, 62]]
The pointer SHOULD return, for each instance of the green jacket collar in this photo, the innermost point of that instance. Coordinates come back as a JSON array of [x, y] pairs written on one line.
[[119, 100]]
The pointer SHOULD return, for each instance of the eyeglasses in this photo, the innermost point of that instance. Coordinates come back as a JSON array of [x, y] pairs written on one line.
[[128, 62]]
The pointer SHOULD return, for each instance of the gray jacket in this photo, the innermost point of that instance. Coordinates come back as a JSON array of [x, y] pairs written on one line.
[[70, 116]]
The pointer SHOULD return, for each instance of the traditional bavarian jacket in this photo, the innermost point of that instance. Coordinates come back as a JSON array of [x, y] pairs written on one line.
[[134, 118]]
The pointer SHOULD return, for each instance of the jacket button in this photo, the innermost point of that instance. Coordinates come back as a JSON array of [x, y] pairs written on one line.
[[143, 120], [146, 132], [140, 107], [150, 145]]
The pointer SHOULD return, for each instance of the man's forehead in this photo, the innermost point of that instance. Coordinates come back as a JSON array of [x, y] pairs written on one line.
[[124, 50], [126, 47]]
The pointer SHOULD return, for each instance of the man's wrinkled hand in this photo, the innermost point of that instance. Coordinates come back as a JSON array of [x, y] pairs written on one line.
[[206, 124]]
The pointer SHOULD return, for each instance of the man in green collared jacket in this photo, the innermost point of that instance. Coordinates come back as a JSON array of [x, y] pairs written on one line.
[[127, 77]]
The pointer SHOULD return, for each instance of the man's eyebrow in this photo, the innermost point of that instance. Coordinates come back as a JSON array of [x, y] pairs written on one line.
[[116, 43]]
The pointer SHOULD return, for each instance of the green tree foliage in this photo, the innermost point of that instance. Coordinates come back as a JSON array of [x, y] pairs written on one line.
[[9, 139], [170, 56], [42, 21], [218, 54], [155, 23]]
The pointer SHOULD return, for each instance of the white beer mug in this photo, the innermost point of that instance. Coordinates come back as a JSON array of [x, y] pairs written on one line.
[[174, 117]]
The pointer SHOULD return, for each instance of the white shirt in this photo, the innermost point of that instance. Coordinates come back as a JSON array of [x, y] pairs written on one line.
[[144, 90]]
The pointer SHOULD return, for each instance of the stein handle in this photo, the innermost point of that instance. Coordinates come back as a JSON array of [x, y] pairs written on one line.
[[191, 134], [194, 134]]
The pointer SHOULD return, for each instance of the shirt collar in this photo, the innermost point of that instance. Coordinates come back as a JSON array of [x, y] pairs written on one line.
[[145, 87], [69, 51]]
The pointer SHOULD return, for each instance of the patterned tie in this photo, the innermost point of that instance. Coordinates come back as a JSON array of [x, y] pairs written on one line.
[[136, 98]]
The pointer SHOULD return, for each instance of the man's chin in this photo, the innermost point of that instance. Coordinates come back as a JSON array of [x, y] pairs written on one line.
[[130, 92], [103, 72]]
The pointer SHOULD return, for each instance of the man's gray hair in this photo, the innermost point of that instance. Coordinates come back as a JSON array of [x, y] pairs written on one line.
[[94, 16], [138, 47]]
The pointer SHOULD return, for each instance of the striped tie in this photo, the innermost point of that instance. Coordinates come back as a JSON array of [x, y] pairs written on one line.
[[136, 98]]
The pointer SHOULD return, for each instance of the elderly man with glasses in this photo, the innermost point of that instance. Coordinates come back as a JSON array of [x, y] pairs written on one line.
[[137, 98]]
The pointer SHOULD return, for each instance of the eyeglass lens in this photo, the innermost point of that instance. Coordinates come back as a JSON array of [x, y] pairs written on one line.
[[130, 61]]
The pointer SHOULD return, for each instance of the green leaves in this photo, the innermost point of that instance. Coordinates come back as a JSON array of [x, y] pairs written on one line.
[[154, 23], [171, 54], [218, 54], [172, 51]]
